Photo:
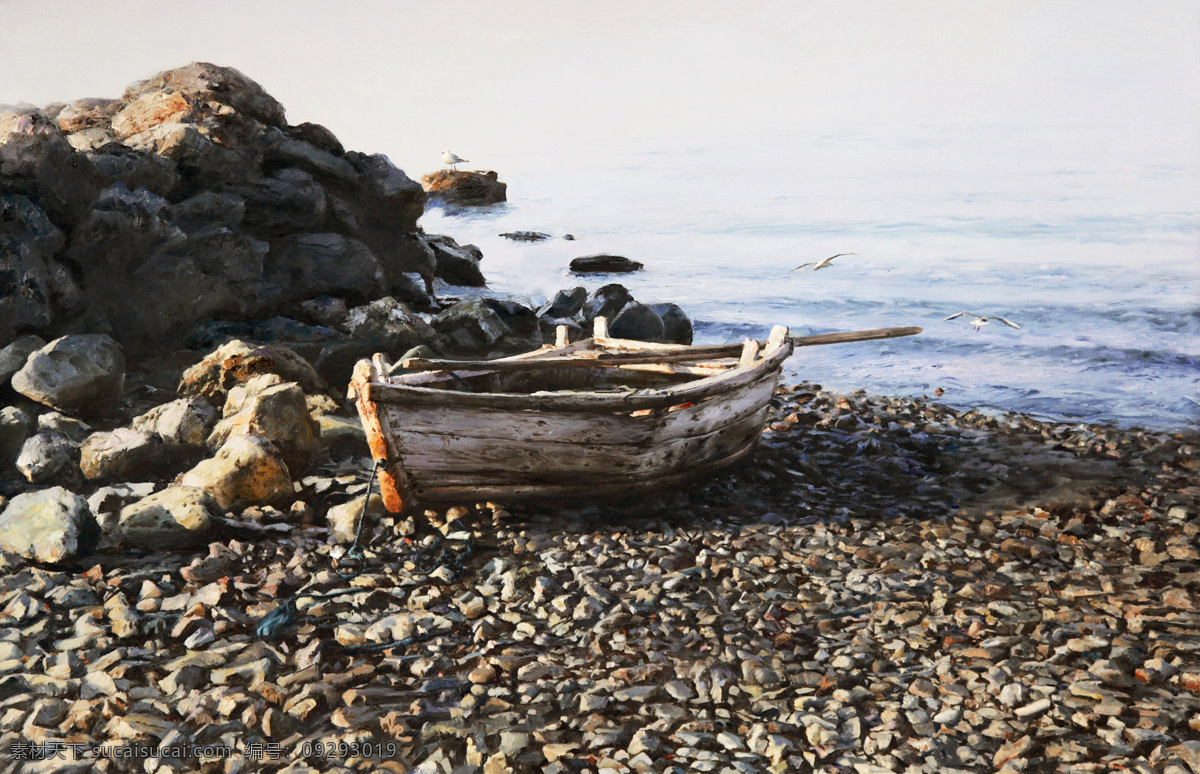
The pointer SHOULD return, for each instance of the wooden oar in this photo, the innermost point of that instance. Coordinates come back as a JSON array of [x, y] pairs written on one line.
[[587, 358]]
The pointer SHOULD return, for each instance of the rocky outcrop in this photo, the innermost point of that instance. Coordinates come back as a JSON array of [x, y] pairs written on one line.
[[52, 525], [627, 318], [457, 264], [604, 264], [471, 188], [74, 373], [191, 198]]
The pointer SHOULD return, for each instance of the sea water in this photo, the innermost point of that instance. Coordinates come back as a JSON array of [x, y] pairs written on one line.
[[1094, 253]]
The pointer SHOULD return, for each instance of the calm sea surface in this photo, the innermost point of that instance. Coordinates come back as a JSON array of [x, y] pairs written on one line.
[[1095, 254]]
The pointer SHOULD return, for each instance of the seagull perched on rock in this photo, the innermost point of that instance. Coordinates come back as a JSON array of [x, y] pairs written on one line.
[[452, 160], [978, 321], [821, 264]]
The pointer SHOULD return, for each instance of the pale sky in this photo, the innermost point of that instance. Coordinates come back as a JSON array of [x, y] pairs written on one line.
[[411, 78]]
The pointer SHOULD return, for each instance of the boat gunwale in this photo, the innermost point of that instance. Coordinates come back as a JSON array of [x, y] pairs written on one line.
[[704, 388]]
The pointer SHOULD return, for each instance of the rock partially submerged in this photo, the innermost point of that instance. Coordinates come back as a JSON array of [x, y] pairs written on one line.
[[604, 264], [471, 188]]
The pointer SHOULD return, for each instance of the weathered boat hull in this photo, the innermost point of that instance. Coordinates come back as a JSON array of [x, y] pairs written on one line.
[[443, 444]]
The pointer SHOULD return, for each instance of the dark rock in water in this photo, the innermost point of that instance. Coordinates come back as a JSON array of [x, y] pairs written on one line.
[[604, 264], [409, 253], [120, 455], [566, 303], [37, 161], [238, 362], [637, 321], [49, 458], [52, 525], [288, 201], [209, 210], [471, 326], [606, 301], [270, 331], [569, 237], [549, 328], [519, 319], [465, 187], [317, 135], [457, 264], [13, 357], [676, 324], [309, 265], [525, 236], [74, 373]]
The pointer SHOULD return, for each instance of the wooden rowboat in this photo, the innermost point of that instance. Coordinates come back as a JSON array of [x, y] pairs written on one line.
[[594, 418]]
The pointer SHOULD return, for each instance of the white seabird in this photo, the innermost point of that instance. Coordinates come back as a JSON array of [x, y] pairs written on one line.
[[821, 264], [978, 321], [452, 160]]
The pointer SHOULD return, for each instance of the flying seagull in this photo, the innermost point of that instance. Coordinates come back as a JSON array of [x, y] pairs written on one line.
[[821, 264], [452, 160], [978, 322]]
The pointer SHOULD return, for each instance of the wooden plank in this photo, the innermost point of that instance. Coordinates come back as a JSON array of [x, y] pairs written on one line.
[[479, 461], [574, 492], [749, 352], [651, 353], [393, 479], [570, 428], [600, 327], [719, 384], [560, 336]]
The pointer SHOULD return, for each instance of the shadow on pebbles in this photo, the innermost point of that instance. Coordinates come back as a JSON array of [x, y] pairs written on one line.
[[884, 585]]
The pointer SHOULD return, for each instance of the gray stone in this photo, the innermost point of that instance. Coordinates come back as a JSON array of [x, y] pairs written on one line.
[[120, 454], [49, 458], [37, 161], [471, 326], [638, 322], [307, 265], [52, 525], [176, 517], [677, 327], [186, 422], [566, 303], [457, 264], [15, 427], [13, 357], [288, 201], [603, 264], [76, 373]]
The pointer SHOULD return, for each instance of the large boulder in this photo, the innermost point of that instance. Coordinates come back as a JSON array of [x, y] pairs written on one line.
[[638, 322], [74, 373], [473, 188], [52, 525], [28, 240], [677, 327], [389, 325], [37, 161], [15, 427], [276, 411], [183, 423], [457, 264], [470, 326], [566, 303], [379, 205], [238, 362], [603, 264], [176, 517], [288, 201], [607, 302], [49, 458], [201, 82], [121, 454], [307, 265], [247, 470], [13, 357]]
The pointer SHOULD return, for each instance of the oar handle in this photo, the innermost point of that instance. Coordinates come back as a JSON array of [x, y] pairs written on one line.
[[846, 338]]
